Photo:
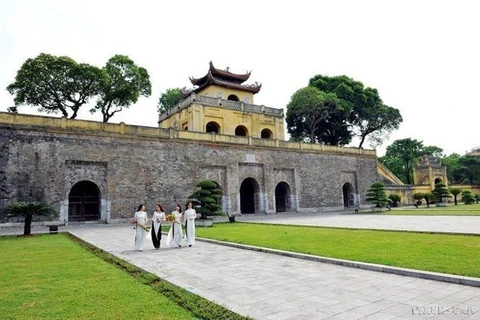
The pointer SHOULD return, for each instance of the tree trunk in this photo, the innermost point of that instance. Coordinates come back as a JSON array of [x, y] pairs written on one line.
[[361, 142], [407, 172]]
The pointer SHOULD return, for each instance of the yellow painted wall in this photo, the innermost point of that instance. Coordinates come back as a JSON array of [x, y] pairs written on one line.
[[196, 117], [214, 90]]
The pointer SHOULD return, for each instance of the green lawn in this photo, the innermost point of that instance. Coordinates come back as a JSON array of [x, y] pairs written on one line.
[[55, 277], [451, 210], [453, 254]]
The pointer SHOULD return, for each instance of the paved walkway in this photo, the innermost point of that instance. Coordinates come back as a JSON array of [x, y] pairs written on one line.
[[268, 286]]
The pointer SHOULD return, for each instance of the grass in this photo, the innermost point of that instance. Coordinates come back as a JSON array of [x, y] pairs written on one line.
[[55, 277], [452, 254], [451, 210]]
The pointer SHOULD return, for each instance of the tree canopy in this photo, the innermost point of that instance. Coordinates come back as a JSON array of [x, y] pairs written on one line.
[[61, 85], [366, 115], [403, 154], [55, 84], [169, 98], [122, 83], [307, 109]]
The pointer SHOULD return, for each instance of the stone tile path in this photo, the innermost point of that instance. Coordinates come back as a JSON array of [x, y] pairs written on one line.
[[269, 286]]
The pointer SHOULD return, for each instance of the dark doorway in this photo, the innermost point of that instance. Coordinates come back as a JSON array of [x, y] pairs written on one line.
[[249, 195], [438, 180], [282, 197], [241, 131], [233, 97], [348, 195], [212, 126], [84, 202], [266, 134]]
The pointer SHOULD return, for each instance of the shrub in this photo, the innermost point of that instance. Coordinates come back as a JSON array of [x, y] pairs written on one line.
[[468, 197], [206, 199], [377, 195], [440, 192], [418, 197], [395, 197]]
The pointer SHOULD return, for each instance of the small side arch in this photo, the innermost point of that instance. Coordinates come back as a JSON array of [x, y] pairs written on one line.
[[348, 195], [241, 131], [249, 196], [212, 126], [266, 134], [283, 197], [233, 97]]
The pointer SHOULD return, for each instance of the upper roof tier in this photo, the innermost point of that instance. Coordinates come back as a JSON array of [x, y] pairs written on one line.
[[224, 78]]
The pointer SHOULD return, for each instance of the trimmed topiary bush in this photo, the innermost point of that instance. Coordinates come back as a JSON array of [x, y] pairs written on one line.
[[206, 199], [377, 195]]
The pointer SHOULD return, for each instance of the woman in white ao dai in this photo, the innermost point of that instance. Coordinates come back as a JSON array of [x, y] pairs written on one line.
[[189, 221]]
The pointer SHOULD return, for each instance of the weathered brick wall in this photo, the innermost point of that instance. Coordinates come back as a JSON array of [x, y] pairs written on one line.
[[40, 165]]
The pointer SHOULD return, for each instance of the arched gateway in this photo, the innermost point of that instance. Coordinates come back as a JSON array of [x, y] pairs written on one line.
[[249, 196], [348, 195], [84, 202], [282, 197]]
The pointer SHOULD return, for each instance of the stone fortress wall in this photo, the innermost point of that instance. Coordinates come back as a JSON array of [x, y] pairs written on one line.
[[43, 158]]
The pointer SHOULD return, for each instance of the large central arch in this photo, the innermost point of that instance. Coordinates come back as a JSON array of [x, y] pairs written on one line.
[[84, 202], [249, 196]]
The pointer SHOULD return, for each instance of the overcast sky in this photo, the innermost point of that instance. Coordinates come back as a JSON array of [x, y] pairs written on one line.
[[422, 56]]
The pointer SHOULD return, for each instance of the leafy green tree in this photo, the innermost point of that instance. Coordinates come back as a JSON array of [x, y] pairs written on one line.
[[429, 198], [369, 117], [395, 198], [122, 83], [418, 197], [405, 153], [206, 199], [468, 197], [455, 192], [452, 165], [307, 108], [334, 130], [55, 84], [440, 192], [377, 195], [433, 151], [469, 169], [169, 98], [29, 210]]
